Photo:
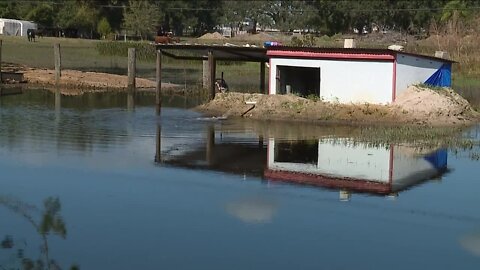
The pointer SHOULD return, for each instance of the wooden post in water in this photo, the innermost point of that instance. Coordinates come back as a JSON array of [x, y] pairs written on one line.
[[1, 44], [58, 62], [262, 77], [158, 145], [212, 67], [132, 70], [158, 86], [205, 74], [210, 144]]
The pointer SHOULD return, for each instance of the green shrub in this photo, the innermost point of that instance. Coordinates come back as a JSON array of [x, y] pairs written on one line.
[[145, 51]]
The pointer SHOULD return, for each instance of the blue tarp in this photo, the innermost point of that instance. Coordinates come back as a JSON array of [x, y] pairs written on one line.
[[442, 77], [438, 159]]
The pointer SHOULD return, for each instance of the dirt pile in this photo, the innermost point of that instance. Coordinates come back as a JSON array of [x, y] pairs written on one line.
[[214, 35], [440, 105], [260, 37], [414, 106]]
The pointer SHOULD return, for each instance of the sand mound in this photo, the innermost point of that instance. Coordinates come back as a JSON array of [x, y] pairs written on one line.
[[78, 82], [416, 105], [255, 37], [441, 105], [214, 35]]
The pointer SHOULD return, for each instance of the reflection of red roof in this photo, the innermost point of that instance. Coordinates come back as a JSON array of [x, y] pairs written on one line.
[[357, 185]]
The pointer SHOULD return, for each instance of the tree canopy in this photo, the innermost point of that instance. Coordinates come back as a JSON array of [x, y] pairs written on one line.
[[195, 17]]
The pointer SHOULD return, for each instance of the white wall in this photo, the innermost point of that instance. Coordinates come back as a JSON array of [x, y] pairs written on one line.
[[340, 159], [345, 81], [413, 70]]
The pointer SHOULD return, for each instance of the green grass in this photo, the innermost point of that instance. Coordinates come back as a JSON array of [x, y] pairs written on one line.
[[104, 56]]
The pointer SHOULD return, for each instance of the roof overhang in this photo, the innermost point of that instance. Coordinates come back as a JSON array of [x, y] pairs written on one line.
[[331, 55]]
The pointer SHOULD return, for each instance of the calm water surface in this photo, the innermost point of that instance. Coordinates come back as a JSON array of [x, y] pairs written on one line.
[[93, 184]]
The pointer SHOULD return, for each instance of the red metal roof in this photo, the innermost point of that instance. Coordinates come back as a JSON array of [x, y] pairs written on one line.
[[343, 53], [333, 55]]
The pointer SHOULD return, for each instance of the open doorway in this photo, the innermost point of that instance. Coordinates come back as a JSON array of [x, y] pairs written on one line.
[[303, 81]]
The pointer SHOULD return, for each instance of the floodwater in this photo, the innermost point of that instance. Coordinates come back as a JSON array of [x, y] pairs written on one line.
[[93, 184]]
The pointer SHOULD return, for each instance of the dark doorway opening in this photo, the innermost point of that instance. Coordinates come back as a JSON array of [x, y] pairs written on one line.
[[302, 81]]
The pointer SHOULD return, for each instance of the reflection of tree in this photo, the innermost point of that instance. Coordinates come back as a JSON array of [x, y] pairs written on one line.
[[50, 222]]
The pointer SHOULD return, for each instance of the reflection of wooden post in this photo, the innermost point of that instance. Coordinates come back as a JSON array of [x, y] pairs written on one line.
[[158, 85], [58, 62], [212, 67], [131, 70], [262, 77], [130, 101], [210, 144], [158, 145]]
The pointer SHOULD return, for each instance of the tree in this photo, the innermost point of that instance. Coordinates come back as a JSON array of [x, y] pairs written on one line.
[[81, 16], [42, 14], [141, 17], [104, 28]]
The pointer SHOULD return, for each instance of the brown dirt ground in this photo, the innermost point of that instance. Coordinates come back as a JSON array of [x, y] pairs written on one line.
[[416, 106], [74, 82]]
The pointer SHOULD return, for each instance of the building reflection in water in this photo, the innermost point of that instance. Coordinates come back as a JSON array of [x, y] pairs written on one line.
[[339, 164], [352, 167]]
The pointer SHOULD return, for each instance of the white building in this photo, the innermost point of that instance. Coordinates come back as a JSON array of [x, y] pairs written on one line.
[[351, 74], [341, 164], [9, 27]]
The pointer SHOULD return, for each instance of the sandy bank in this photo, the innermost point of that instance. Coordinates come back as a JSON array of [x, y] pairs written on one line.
[[74, 82], [419, 106]]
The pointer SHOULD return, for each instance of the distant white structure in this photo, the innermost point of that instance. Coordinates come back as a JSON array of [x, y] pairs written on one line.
[[352, 75], [10, 27]]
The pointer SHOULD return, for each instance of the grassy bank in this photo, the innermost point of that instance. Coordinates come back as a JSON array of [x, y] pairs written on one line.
[[111, 57], [99, 56]]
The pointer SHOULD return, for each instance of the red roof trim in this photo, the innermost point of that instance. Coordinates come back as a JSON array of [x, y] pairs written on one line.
[[357, 185], [331, 55]]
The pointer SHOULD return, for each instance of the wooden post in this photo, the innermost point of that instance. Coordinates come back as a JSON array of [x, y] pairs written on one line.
[[262, 77], [132, 68], [1, 41], [58, 62], [212, 67], [158, 92], [205, 76]]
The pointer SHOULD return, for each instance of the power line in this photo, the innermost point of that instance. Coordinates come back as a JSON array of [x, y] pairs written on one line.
[[291, 11]]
